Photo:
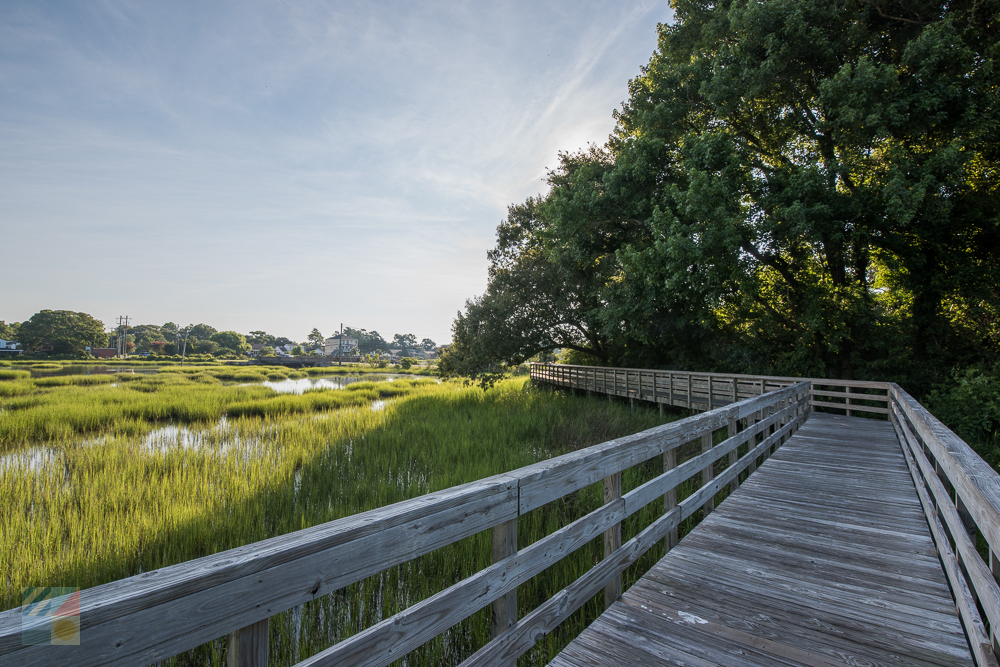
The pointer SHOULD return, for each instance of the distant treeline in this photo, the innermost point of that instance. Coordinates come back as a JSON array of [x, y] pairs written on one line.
[[65, 332]]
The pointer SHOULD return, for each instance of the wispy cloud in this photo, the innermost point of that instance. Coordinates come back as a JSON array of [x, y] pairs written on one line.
[[288, 164]]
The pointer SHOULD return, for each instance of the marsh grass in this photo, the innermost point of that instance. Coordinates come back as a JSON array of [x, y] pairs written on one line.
[[14, 375], [88, 512], [58, 409]]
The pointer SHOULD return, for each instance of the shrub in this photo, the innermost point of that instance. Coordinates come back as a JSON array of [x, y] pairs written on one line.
[[970, 406]]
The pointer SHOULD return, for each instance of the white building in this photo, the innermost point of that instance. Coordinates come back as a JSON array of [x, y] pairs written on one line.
[[340, 345]]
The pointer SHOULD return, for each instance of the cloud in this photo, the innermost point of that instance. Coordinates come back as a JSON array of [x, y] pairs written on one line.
[[325, 156]]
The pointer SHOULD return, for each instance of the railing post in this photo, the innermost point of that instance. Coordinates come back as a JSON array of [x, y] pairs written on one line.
[[847, 400], [689, 391], [711, 400], [733, 457], [670, 389], [751, 420], [670, 498], [248, 646], [504, 608], [612, 537], [708, 474]]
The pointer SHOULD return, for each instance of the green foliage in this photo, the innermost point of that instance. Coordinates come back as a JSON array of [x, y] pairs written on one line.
[[232, 341], [793, 186], [315, 339], [266, 351], [67, 331], [8, 331], [405, 341], [368, 341], [969, 404]]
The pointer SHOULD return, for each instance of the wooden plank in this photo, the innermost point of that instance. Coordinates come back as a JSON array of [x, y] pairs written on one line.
[[976, 483], [670, 497], [612, 537], [987, 592], [547, 616], [248, 646], [394, 637], [855, 407], [546, 481], [504, 608], [158, 614], [708, 472], [836, 565], [979, 639]]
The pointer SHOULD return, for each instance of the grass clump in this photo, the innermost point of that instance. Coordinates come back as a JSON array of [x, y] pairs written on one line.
[[13, 375]]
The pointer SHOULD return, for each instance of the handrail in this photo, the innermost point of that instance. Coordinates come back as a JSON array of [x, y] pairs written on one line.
[[960, 494], [158, 614], [691, 389]]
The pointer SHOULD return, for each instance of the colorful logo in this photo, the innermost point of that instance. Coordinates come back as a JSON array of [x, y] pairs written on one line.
[[50, 616]]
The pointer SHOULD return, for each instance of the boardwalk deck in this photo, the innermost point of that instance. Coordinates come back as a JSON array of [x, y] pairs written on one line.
[[823, 557]]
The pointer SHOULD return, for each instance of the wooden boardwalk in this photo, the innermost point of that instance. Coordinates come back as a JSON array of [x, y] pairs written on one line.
[[823, 557]]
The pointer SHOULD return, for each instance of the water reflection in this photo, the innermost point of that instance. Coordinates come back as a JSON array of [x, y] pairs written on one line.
[[87, 369], [329, 382]]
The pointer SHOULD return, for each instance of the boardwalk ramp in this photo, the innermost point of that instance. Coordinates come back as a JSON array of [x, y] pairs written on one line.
[[822, 557]]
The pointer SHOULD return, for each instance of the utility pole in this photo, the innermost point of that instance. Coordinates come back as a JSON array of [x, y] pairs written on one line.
[[187, 330], [340, 346]]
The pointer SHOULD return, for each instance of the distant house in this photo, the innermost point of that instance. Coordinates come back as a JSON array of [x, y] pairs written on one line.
[[9, 347], [255, 349], [340, 345], [103, 352]]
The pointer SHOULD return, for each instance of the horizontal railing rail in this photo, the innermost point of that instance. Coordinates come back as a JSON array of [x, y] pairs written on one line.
[[706, 391], [158, 614], [960, 495]]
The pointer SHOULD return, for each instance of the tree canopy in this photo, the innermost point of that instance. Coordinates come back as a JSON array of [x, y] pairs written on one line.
[[67, 331], [793, 186]]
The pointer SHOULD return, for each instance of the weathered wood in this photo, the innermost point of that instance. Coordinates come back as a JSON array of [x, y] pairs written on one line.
[[707, 473], [821, 558], [392, 638], [670, 497], [987, 591], [544, 482], [974, 481], [161, 613], [733, 455], [504, 608], [612, 537], [854, 407], [248, 646], [547, 616], [979, 639]]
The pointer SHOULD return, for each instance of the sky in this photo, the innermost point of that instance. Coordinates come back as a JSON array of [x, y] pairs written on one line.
[[280, 166]]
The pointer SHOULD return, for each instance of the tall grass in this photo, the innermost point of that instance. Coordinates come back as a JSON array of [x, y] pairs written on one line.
[[59, 409], [84, 513]]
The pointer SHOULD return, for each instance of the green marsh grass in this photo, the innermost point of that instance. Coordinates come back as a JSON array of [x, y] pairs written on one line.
[[96, 510], [14, 375]]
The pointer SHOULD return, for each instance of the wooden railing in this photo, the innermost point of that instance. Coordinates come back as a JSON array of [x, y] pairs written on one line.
[[705, 391], [158, 614], [960, 494]]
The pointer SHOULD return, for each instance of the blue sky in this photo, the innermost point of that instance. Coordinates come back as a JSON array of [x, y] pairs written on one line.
[[288, 165]]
